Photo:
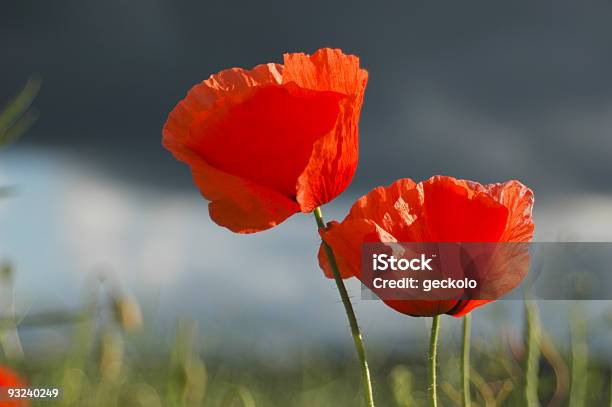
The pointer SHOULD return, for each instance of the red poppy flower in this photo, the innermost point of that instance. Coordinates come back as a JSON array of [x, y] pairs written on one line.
[[267, 143], [441, 209], [8, 378]]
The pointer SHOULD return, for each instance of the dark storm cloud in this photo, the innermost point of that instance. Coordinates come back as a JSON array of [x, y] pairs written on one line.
[[474, 89]]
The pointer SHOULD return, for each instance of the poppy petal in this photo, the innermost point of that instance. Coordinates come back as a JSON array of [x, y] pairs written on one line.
[[333, 160], [205, 94], [395, 208], [519, 201], [239, 204], [457, 211], [326, 69], [266, 136]]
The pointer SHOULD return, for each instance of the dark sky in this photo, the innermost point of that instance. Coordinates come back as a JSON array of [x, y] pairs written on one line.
[[475, 89]]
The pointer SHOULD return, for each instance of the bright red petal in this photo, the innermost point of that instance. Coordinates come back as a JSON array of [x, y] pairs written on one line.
[[266, 135], [239, 204], [519, 201], [456, 211], [396, 209], [334, 157], [204, 95]]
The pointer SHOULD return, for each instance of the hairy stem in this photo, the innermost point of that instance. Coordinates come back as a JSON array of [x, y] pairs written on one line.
[[350, 314], [433, 352]]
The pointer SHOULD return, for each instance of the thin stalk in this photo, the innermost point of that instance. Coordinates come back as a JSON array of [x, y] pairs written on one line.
[[350, 314], [465, 360], [610, 392], [433, 353], [580, 357], [533, 352]]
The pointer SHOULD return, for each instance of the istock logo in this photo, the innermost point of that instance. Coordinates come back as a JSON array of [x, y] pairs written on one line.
[[382, 262]]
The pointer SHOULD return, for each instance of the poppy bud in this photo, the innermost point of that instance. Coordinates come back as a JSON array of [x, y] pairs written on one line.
[[127, 313]]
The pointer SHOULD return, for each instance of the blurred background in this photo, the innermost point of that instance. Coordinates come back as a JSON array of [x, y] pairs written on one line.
[[95, 211]]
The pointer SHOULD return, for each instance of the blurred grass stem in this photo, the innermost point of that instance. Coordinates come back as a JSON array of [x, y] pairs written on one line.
[[350, 313], [580, 357], [532, 361], [17, 116]]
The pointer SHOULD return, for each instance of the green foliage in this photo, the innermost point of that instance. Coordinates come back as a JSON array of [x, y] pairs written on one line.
[[108, 365], [18, 116]]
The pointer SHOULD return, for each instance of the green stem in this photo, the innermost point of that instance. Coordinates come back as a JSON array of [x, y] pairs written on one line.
[[610, 392], [533, 352], [433, 352], [348, 307], [580, 357], [465, 360]]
